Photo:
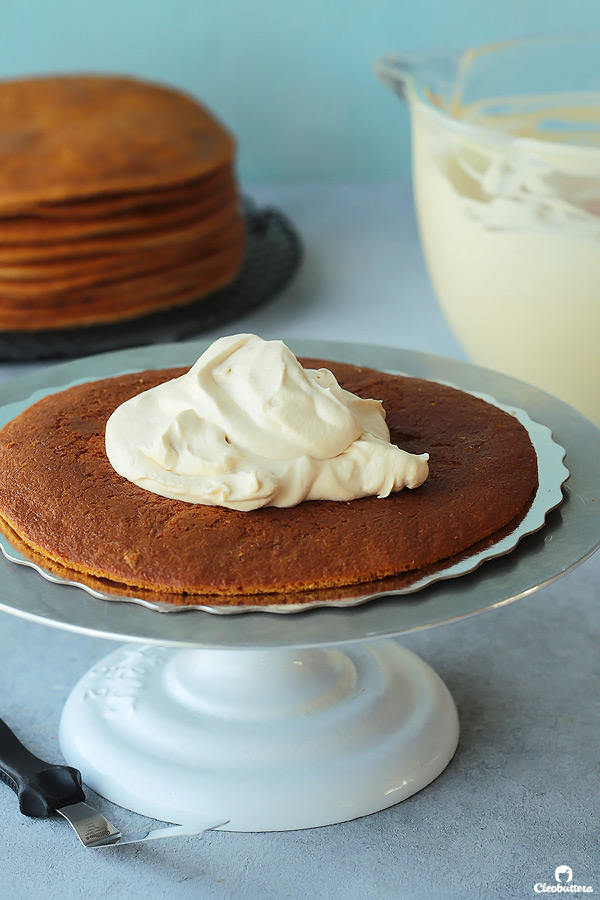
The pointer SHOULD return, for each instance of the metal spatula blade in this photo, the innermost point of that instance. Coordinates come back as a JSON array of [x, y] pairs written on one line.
[[94, 830], [45, 789]]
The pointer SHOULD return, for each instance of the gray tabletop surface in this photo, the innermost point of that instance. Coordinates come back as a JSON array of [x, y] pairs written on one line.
[[521, 796]]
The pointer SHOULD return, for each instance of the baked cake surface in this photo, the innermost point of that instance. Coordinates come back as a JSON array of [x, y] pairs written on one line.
[[118, 199], [61, 499], [70, 136]]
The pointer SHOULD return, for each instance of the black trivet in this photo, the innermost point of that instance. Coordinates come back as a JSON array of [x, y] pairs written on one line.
[[273, 253]]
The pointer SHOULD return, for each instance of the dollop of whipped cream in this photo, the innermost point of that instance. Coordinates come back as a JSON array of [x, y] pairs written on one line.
[[248, 427]]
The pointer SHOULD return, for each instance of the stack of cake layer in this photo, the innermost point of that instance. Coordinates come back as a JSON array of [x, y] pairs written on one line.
[[117, 198]]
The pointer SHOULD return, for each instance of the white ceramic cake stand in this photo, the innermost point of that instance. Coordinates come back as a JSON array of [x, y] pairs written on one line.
[[270, 739], [276, 721]]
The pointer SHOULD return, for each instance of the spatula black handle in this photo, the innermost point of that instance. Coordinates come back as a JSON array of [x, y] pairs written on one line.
[[41, 787]]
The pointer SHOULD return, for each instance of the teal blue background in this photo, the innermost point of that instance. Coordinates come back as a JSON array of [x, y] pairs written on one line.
[[293, 81]]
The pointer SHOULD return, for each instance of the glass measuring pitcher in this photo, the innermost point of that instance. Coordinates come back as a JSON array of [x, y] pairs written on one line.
[[506, 172]]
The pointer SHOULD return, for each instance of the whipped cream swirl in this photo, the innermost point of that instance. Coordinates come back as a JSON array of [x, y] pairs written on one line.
[[248, 427]]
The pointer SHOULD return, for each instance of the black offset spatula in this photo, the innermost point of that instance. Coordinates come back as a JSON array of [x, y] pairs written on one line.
[[45, 789]]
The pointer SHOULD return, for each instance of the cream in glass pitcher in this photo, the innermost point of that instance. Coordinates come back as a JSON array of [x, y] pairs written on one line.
[[506, 170]]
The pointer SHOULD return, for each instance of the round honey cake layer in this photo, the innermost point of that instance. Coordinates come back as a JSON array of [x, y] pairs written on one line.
[[118, 199], [76, 136], [61, 498]]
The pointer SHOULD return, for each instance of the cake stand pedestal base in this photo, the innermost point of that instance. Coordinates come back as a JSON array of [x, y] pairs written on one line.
[[269, 739]]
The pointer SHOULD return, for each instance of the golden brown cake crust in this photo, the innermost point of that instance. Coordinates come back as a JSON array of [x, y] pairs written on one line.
[[115, 134], [118, 199], [60, 495]]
